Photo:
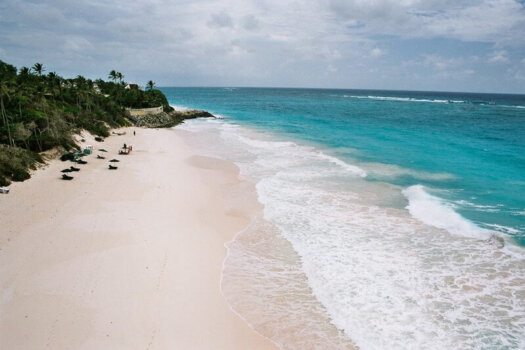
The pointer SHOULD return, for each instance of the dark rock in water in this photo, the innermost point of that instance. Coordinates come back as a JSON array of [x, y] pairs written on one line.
[[192, 114]]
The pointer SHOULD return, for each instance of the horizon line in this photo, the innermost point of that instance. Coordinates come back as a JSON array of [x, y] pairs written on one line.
[[324, 88]]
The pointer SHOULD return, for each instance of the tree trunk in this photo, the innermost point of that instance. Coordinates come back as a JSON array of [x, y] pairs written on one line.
[[6, 121]]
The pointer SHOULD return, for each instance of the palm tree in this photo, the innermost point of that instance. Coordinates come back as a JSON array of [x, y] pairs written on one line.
[[120, 77], [24, 71], [24, 75], [53, 82], [150, 85], [80, 81], [113, 75], [38, 68]]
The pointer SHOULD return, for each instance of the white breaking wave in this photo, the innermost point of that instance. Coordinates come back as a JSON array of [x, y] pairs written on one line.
[[271, 145], [180, 108], [301, 151], [504, 229], [411, 99], [388, 279], [392, 170], [404, 99], [435, 212], [184, 109], [351, 168]]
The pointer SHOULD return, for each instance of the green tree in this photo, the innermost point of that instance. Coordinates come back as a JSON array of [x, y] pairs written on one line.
[[54, 82], [113, 75], [24, 71], [120, 77], [150, 85], [38, 68]]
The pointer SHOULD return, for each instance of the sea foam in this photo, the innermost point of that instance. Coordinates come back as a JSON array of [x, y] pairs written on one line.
[[435, 212], [403, 99], [387, 277], [180, 108]]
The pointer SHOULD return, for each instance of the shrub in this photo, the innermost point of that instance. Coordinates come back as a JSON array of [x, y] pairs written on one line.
[[15, 162]]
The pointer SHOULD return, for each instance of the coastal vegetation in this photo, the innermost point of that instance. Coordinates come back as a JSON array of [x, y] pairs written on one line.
[[42, 111]]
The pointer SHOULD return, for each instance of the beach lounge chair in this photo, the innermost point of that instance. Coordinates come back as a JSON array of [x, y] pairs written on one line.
[[111, 167], [100, 157], [114, 160], [74, 169], [66, 170], [80, 161], [66, 177], [102, 150]]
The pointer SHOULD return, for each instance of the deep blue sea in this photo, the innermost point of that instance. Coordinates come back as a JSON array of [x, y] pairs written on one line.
[[405, 210]]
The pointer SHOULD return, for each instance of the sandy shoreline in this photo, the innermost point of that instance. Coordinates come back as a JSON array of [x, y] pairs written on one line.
[[124, 259]]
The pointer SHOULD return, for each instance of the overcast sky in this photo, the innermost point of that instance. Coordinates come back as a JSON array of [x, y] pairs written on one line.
[[451, 45]]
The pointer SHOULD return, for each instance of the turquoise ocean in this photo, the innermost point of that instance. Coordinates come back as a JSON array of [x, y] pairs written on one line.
[[391, 220]]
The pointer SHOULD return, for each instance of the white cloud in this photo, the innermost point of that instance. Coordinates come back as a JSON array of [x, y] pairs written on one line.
[[220, 20], [518, 72], [449, 67], [501, 21], [263, 42], [498, 57], [250, 22], [377, 52], [442, 63]]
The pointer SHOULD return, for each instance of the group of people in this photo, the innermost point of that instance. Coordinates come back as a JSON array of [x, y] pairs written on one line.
[[129, 148], [126, 149]]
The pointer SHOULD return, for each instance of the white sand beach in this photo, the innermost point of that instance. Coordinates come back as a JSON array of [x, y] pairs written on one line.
[[124, 259]]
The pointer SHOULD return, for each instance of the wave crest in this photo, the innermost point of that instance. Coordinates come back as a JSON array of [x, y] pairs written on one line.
[[435, 212]]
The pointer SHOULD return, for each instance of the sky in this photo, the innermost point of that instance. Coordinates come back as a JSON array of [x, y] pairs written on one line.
[[431, 45]]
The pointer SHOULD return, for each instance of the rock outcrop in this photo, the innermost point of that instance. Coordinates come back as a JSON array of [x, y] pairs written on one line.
[[169, 119]]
